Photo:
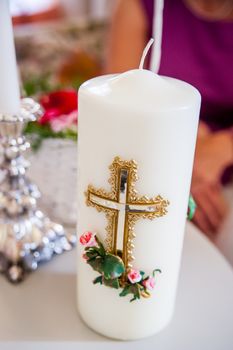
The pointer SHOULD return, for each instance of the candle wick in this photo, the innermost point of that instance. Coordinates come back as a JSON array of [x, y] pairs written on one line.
[[145, 52]]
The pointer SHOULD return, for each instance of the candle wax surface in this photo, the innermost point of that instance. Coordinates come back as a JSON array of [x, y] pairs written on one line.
[[153, 120], [148, 87]]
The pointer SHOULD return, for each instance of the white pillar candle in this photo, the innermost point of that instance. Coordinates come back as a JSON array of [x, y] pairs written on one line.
[[9, 85], [153, 120]]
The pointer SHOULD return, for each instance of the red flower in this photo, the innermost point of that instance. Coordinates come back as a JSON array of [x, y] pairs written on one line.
[[58, 103], [88, 239]]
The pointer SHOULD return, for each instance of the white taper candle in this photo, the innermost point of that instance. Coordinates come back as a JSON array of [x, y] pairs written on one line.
[[157, 34], [9, 85]]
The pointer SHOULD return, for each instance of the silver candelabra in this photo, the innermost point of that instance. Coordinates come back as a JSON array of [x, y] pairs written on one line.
[[27, 236]]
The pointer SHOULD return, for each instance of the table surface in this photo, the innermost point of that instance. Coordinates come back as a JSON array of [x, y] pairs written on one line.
[[42, 312]]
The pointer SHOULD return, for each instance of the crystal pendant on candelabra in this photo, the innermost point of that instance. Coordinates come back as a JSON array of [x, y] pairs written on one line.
[[27, 236]]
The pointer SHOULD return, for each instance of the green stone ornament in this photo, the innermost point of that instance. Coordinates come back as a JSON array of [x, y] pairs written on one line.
[[191, 208]]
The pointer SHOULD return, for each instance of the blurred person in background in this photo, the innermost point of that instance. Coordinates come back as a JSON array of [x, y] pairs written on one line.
[[197, 47]]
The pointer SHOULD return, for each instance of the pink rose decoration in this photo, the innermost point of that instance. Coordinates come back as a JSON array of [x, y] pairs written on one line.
[[64, 121], [88, 239], [134, 276], [149, 283]]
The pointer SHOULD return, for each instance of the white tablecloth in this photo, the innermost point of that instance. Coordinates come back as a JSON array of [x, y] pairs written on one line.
[[41, 312]]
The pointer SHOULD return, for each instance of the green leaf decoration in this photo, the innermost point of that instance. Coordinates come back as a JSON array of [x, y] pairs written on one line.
[[111, 269], [101, 249], [135, 290], [113, 283], [131, 289], [96, 264], [125, 291], [113, 266], [91, 255], [98, 280], [156, 270]]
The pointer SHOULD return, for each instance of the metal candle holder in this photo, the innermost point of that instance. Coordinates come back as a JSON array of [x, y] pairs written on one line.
[[27, 237]]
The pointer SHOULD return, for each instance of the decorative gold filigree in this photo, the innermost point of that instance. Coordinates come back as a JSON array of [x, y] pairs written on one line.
[[133, 200]]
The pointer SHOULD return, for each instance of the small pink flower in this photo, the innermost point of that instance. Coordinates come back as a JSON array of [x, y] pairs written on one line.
[[134, 276], [149, 283], [88, 239], [64, 122]]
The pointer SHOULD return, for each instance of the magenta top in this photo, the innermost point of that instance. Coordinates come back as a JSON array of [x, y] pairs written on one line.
[[199, 52]]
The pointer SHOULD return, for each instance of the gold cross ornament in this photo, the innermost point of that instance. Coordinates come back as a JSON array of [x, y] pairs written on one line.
[[123, 207]]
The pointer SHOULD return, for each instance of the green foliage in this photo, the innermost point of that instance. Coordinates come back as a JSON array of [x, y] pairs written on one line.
[[100, 247], [109, 265], [131, 289], [96, 263], [112, 269], [40, 132], [38, 84], [98, 280], [113, 283], [154, 272], [91, 254], [113, 266]]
